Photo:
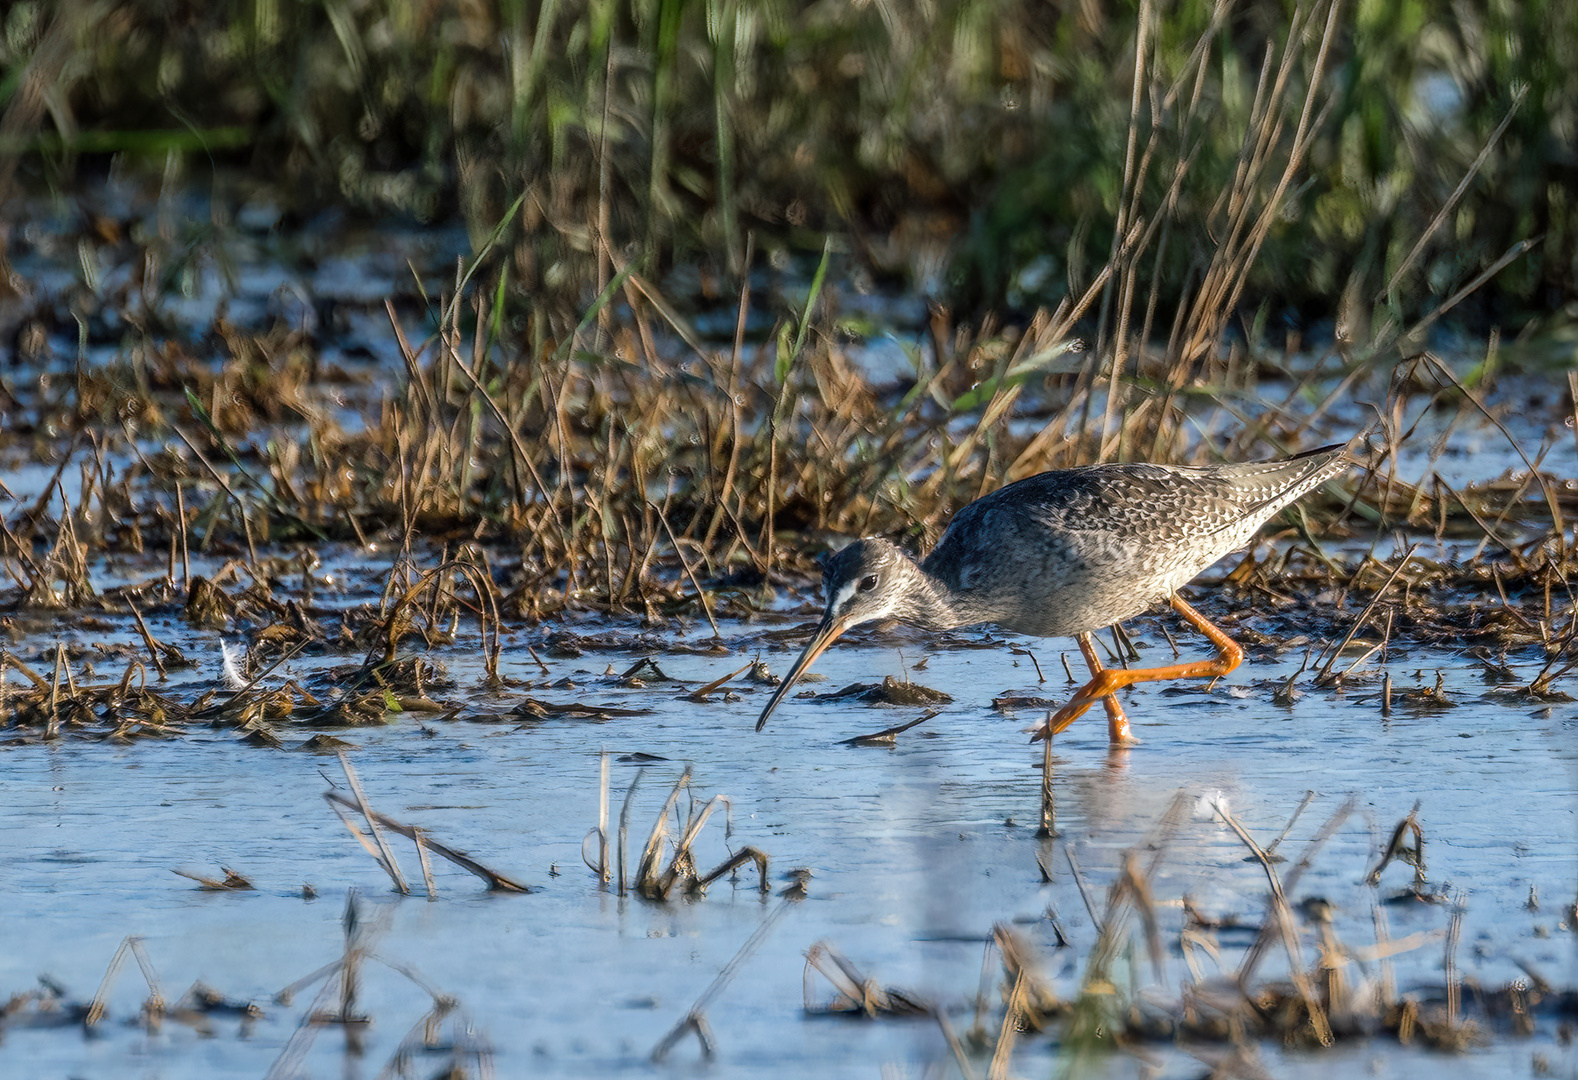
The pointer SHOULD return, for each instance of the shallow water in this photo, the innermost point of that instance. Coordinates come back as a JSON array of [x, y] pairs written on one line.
[[915, 852]]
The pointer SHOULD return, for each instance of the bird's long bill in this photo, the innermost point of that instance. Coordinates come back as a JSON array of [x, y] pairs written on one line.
[[827, 633]]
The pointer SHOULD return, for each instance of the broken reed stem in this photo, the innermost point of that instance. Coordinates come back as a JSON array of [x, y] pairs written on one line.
[[1003, 1052], [646, 868], [695, 1018], [603, 869], [494, 879], [350, 981], [386, 857], [1454, 979], [1290, 881], [978, 1023], [1282, 915], [52, 728], [682, 855], [427, 866], [145, 965], [960, 1057], [96, 1007], [186, 554], [288, 1065], [487, 610], [1132, 891], [1396, 849], [153, 1007], [701, 594], [1386, 987], [1084, 891], [1048, 827], [837, 969], [1139, 895], [1358, 624], [1309, 797], [348, 819], [624, 828], [147, 639]]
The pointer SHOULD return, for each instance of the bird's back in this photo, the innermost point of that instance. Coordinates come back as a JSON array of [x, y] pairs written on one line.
[[1079, 549]]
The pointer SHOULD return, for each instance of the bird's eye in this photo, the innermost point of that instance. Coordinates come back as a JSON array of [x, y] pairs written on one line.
[[867, 583]]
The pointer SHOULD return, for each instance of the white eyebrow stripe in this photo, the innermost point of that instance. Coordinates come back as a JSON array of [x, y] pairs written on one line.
[[843, 596]]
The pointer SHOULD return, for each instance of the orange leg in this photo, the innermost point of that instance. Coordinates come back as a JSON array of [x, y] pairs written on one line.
[[1117, 724], [1108, 681]]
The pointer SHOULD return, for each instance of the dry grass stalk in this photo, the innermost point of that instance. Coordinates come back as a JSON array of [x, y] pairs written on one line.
[[1039, 1000], [1359, 623], [493, 440], [445, 1027], [604, 868], [231, 882], [383, 854], [495, 880], [695, 1019], [853, 991], [1002, 1052], [659, 884], [153, 1008], [1272, 927], [1282, 916], [1396, 848], [421, 843], [960, 1057], [340, 977], [1048, 826]]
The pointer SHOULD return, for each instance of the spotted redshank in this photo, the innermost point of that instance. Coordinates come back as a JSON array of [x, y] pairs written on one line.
[[1066, 553]]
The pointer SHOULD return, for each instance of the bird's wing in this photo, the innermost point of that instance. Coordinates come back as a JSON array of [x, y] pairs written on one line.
[[1045, 515]]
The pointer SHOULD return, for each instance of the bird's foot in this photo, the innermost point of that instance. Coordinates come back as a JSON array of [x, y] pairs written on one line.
[[1119, 735]]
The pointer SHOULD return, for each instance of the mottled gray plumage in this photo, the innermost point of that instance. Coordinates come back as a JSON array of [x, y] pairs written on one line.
[[1066, 552], [1080, 549]]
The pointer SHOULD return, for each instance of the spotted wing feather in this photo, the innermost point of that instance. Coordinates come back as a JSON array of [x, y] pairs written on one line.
[[1079, 549]]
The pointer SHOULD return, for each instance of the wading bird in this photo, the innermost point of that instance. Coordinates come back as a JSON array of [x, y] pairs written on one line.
[[1066, 553]]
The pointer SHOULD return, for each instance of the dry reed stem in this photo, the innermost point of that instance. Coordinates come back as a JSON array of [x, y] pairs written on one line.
[[1289, 881], [1358, 623], [604, 868], [1395, 848], [701, 594], [1282, 916], [1084, 890], [1048, 826], [385, 855], [130, 946], [694, 1019], [855, 992], [495, 880], [960, 1057], [1002, 1053], [292, 1056], [646, 866], [420, 841]]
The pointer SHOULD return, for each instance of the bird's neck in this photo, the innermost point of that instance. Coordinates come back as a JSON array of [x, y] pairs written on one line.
[[926, 603]]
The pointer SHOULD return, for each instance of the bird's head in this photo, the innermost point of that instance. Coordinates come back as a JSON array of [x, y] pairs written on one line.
[[864, 582]]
